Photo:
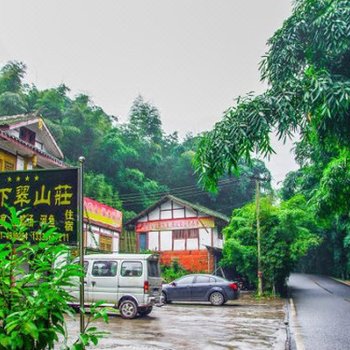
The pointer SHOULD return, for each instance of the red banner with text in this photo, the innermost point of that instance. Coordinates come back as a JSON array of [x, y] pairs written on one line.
[[174, 224]]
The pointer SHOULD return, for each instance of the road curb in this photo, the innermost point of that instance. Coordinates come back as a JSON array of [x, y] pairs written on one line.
[[288, 345], [294, 338], [345, 283]]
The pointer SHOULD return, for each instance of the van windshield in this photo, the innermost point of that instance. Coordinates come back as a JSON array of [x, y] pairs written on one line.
[[153, 268]]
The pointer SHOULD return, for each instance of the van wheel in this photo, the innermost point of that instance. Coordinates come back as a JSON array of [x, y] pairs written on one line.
[[145, 311], [128, 309]]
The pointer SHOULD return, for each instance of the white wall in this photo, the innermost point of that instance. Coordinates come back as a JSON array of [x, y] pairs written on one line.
[[116, 243], [165, 215], [164, 212], [20, 163], [166, 205], [92, 237], [153, 240], [14, 132], [204, 237], [190, 213], [192, 244], [218, 243], [179, 244], [143, 219], [154, 215], [166, 240], [179, 213]]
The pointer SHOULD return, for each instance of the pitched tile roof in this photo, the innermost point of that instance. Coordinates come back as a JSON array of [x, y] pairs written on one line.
[[183, 202], [15, 121]]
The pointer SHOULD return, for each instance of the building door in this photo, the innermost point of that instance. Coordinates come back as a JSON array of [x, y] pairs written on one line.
[[142, 241]]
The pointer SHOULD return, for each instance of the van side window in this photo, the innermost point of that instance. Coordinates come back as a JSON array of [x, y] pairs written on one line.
[[131, 269], [104, 268]]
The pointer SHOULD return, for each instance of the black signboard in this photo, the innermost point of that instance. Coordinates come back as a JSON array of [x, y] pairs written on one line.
[[51, 197]]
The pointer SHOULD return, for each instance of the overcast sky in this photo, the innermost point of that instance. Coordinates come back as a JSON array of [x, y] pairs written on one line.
[[190, 58]]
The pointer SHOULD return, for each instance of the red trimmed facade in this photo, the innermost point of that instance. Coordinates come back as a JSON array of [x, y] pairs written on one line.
[[181, 231]]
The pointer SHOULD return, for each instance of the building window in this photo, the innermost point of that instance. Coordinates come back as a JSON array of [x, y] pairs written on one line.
[[27, 135], [220, 236], [185, 234]]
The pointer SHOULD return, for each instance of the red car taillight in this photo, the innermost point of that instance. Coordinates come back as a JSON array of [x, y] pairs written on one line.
[[146, 287], [233, 286]]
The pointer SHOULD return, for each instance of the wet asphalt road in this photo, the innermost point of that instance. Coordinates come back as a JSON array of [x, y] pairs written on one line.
[[244, 324], [322, 312]]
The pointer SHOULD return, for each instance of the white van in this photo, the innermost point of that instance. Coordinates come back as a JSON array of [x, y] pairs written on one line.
[[129, 282]]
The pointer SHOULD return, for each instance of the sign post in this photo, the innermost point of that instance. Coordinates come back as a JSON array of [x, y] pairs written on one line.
[[81, 239]]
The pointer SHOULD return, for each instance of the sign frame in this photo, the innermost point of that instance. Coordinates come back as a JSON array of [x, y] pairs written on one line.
[[51, 196]]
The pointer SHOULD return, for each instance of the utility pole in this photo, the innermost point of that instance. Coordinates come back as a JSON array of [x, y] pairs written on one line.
[[258, 233], [81, 240]]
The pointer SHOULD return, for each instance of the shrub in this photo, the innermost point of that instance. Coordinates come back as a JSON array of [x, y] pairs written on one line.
[[33, 299], [173, 271]]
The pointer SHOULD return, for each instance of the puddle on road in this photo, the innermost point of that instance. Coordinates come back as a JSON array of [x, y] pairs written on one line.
[[243, 325]]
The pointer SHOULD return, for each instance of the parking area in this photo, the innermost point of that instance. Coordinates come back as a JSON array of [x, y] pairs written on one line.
[[240, 324]]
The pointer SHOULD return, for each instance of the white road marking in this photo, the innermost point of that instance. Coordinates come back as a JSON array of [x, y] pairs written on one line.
[[296, 328]]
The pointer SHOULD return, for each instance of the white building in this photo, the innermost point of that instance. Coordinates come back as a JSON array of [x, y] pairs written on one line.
[[181, 230]]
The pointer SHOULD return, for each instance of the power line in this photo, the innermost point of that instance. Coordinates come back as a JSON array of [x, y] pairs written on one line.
[[175, 189], [187, 193], [178, 193]]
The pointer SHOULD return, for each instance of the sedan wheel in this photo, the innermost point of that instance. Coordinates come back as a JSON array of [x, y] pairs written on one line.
[[216, 298], [128, 309]]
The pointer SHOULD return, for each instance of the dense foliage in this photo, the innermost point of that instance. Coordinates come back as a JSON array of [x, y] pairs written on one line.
[[173, 271], [33, 302], [129, 165], [307, 69], [288, 231]]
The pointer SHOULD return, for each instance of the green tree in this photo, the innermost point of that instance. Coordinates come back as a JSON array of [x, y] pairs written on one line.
[[51, 103], [307, 69], [11, 76], [288, 231], [12, 103], [97, 187], [133, 163], [145, 120], [11, 97]]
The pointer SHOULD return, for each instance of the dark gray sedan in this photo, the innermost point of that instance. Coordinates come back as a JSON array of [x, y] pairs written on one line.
[[200, 287]]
